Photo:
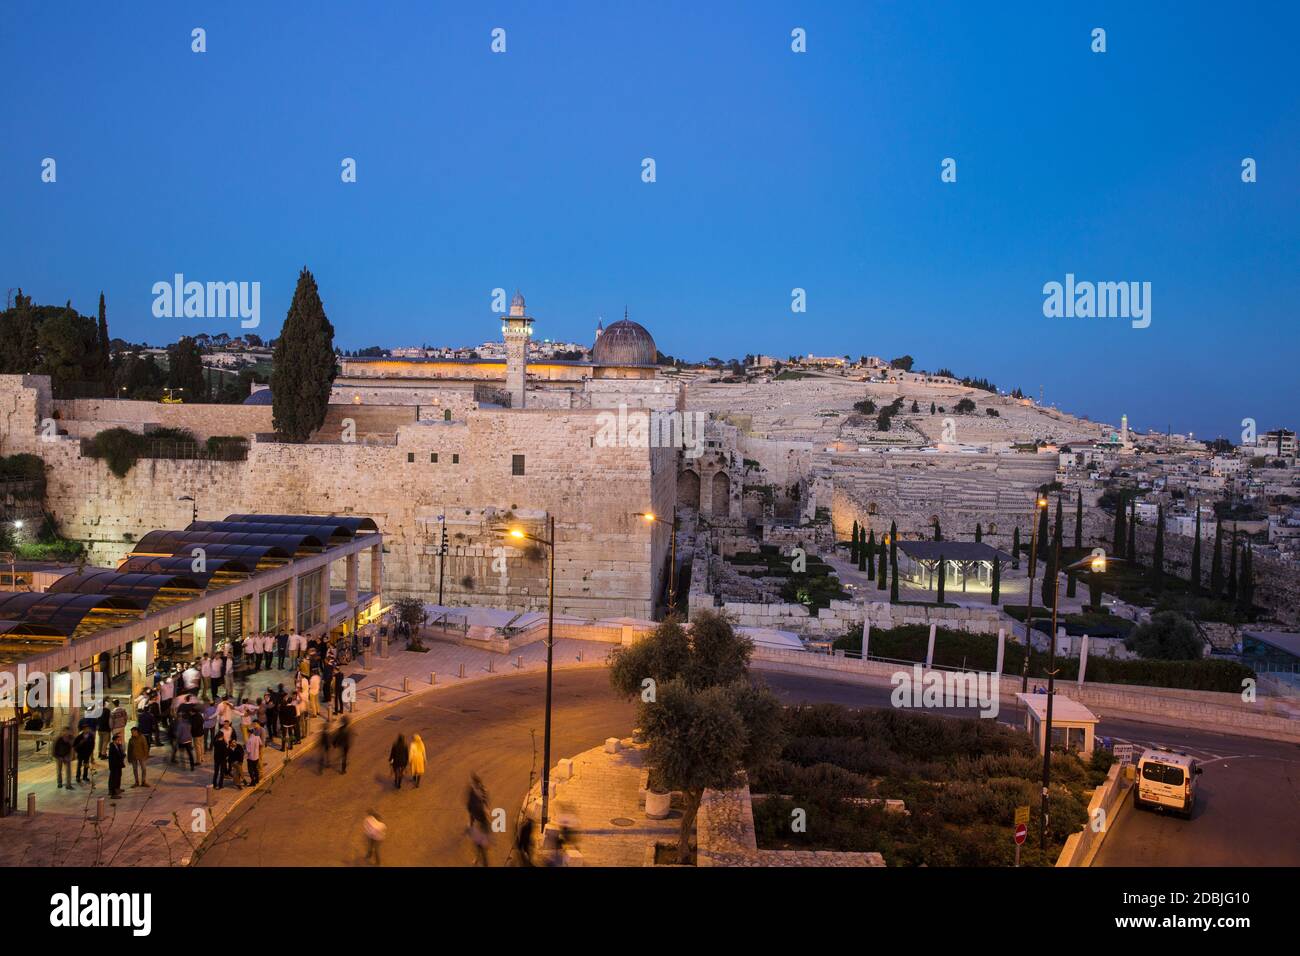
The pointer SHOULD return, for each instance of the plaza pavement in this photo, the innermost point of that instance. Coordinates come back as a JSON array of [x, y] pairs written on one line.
[[164, 824]]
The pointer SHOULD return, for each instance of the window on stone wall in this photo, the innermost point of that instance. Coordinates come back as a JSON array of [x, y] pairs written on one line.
[[516, 464], [410, 456], [446, 414], [433, 457], [455, 459]]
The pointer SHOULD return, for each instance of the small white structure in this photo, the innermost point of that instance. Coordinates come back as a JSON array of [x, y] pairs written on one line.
[[1073, 725]]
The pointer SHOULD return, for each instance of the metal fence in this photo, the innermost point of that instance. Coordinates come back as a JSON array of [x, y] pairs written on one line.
[[167, 449]]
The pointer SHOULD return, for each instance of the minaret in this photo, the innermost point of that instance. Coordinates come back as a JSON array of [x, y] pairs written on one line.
[[1123, 430], [517, 328]]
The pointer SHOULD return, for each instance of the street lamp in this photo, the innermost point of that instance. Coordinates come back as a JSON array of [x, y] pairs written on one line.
[[549, 542], [1095, 563], [1040, 504], [650, 517], [194, 507]]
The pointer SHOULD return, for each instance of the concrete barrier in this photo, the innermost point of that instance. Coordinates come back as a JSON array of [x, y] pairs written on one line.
[[1080, 848]]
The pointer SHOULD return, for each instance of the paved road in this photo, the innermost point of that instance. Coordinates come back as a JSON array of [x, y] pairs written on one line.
[[489, 727], [1248, 811], [1248, 799]]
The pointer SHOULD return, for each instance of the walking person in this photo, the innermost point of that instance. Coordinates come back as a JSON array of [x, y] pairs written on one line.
[[338, 690], [326, 735], [235, 763], [62, 750], [476, 801], [415, 759], [397, 759], [253, 754], [313, 694], [343, 742], [84, 748], [104, 725], [220, 761], [137, 751], [183, 740], [288, 725], [116, 763], [376, 831]]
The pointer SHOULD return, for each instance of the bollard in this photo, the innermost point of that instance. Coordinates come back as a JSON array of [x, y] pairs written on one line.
[[492, 665], [101, 813], [406, 684], [433, 677], [207, 793], [579, 656], [31, 803], [462, 669], [519, 662], [376, 695]]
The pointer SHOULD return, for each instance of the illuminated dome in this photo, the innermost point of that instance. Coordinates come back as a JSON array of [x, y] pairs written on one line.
[[624, 343]]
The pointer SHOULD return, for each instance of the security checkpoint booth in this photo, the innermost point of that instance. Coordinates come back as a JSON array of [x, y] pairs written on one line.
[[1073, 725]]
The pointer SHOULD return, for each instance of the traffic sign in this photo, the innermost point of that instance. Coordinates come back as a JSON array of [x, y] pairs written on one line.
[[1123, 753], [1021, 832], [1022, 815]]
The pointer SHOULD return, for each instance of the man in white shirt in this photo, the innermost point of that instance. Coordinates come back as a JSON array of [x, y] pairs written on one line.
[[191, 678], [253, 753]]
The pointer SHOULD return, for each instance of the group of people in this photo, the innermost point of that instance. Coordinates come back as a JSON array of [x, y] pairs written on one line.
[[193, 704]]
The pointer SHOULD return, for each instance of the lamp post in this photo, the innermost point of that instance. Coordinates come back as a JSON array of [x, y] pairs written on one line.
[[549, 542], [442, 558], [1039, 504], [194, 507], [1095, 564], [650, 517]]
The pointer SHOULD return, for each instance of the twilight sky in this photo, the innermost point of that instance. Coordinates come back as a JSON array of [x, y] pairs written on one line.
[[775, 170]]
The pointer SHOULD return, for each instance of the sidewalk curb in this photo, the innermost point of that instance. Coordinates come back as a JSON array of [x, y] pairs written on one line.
[[311, 740]]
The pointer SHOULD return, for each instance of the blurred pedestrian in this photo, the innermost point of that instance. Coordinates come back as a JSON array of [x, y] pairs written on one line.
[[398, 758], [376, 832], [415, 759]]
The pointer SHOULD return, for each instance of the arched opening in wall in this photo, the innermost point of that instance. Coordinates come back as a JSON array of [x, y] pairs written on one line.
[[721, 494], [872, 509], [688, 489]]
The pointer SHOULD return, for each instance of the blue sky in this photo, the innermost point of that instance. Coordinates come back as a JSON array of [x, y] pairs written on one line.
[[775, 170]]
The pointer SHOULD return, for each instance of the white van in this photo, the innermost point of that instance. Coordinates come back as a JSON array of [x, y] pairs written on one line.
[[1166, 778]]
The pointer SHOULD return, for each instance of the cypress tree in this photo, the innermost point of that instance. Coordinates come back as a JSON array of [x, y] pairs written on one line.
[[893, 562], [1121, 533], [871, 554], [1132, 552], [1216, 563], [997, 581], [105, 353], [185, 370], [1158, 552], [882, 575], [979, 533], [853, 543], [1094, 592], [1078, 520], [932, 408], [304, 364], [1044, 547], [1071, 585], [938, 535], [1232, 568], [942, 575], [862, 549], [1196, 554], [1049, 574], [1246, 588], [1058, 530], [1015, 549]]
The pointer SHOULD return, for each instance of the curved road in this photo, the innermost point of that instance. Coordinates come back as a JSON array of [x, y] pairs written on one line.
[[1248, 811], [308, 819], [1248, 799]]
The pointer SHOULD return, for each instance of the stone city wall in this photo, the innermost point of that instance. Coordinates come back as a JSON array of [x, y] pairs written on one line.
[[608, 560]]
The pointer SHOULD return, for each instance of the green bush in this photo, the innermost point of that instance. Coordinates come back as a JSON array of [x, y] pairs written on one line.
[[120, 448], [21, 467], [961, 781]]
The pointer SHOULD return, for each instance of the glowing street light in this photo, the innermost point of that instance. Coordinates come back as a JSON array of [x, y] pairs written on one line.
[[520, 534], [650, 518]]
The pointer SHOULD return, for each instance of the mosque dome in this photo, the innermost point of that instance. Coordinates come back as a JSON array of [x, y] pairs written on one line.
[[624, 343]]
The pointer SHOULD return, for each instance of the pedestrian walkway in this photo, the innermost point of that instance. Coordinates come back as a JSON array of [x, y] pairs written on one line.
[[165, 823]]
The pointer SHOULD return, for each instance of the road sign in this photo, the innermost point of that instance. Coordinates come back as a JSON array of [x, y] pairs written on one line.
[[1123, 753], [1022, 815], [1021, 832]]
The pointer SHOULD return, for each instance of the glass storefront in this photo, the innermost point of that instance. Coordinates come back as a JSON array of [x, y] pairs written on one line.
[[310, 609], [274, 612]]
